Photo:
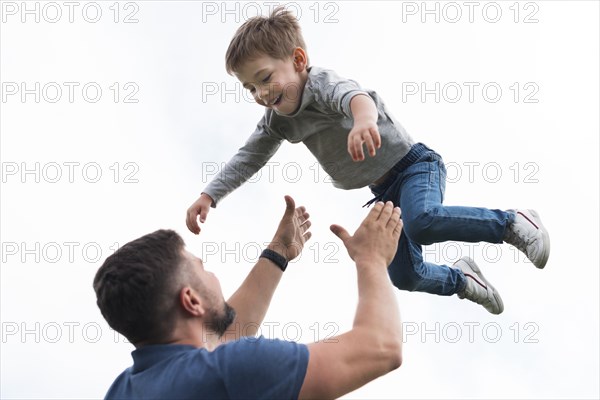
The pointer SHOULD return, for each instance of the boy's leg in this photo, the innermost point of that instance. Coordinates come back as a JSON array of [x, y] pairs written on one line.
[[419, 190], [416, 189], [420, 193], [408, 271]]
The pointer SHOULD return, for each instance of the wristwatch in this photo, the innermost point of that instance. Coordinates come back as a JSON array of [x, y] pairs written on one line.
[[276, 258]]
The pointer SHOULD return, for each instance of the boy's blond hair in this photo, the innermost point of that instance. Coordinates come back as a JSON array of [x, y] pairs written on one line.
[[275, 36]]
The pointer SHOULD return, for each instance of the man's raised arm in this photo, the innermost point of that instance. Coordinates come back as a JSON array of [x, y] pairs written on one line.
[[373, 347], [251, 301]]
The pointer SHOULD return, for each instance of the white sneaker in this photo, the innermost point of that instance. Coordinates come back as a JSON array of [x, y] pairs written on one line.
[[478, 289], [528, 234]]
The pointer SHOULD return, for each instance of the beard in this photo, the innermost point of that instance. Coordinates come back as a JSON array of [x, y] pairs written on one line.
[[223, 320]]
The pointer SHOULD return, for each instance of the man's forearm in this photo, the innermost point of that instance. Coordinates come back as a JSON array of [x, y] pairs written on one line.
[[251, 301], [377, 311], [372, 348]]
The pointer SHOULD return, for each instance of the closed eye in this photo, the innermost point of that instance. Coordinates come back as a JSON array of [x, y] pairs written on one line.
[[267, 78]]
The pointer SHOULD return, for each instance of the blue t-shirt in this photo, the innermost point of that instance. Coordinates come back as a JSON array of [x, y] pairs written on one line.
[[249, 368]]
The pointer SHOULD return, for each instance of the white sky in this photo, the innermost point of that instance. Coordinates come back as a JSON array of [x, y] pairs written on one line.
[[534, 144]]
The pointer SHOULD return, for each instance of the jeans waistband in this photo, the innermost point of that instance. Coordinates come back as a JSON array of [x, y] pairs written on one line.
[[415, 152]]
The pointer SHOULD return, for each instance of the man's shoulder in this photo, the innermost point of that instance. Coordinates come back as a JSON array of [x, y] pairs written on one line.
[[262, 367], [254, 344], [252, 350]]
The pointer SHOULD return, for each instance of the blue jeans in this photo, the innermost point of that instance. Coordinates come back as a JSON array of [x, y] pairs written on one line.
[[416, 184]]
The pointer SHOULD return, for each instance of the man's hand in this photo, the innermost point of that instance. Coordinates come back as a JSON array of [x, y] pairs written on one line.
[[376, 239], [200, 207], [292, 232], [252, 299], [363, 132]]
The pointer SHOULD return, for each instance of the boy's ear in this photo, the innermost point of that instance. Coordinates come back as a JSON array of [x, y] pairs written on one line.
[[300, 59]]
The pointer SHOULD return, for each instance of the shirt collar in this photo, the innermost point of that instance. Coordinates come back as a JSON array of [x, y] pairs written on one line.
[[149, 355]]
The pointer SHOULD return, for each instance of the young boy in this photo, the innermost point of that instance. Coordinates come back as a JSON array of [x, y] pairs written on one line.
[[333, 116]]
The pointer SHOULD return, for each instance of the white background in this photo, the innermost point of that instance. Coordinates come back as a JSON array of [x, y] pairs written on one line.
[[537, 148]]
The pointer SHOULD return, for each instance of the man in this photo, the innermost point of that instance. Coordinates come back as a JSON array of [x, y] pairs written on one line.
[[162, 300]]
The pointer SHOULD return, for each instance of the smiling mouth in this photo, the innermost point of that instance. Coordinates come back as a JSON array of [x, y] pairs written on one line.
[[277, 101]]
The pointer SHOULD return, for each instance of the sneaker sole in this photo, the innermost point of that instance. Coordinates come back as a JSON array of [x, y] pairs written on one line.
[[476, 269], [545, 236]]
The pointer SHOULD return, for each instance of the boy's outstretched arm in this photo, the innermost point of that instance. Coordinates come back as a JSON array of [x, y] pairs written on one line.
[[365, 128], [249, 159]]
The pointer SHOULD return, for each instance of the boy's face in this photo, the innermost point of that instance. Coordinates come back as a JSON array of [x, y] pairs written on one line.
[[276, 84]]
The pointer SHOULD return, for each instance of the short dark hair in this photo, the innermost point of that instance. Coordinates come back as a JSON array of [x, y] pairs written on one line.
[[136, 287], [275, 36]]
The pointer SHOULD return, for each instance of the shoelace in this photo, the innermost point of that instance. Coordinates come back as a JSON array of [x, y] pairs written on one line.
[[516, 237]]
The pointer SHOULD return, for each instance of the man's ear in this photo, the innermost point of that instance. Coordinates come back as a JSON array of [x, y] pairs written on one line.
[[191, 302], [300, 59]]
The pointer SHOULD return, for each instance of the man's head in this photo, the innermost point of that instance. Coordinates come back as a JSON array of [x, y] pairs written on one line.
[[268, 55], [152, 285]]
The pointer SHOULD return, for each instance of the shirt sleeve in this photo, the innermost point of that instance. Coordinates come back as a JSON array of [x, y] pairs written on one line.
[[260, 368], [335, 92], [250, 158]]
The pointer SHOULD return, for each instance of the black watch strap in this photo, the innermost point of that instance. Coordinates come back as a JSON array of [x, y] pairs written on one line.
[[277, 258]]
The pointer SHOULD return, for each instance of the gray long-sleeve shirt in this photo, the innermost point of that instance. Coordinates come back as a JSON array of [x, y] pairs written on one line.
[[322, 123]]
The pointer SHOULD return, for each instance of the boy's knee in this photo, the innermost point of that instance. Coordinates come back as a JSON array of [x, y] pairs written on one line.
[[404, 277], [420, 228]]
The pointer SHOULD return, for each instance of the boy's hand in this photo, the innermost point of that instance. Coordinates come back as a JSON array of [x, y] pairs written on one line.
[[376, 239], [363, 132], [292, 231], [200, 207]]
